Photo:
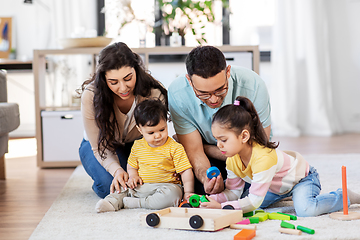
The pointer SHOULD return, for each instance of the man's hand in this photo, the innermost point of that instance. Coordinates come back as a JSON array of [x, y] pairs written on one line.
[[214, 185], [120, 179]]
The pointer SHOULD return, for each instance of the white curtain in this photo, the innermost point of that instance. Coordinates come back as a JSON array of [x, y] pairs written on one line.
[[313, 69], [67, 19]]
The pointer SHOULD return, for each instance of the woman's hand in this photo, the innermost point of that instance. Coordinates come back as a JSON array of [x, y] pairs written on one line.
[[120, 179], [211, 204], [133, 181]]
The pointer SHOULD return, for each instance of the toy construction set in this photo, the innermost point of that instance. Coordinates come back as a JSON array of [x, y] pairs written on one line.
[[189, 216]]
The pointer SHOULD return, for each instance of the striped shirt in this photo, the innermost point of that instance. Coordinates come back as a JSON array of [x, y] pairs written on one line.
[[158, 164], [268, 170]]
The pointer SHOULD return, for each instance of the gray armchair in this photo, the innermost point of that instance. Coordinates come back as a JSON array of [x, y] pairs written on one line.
[[9, 121]]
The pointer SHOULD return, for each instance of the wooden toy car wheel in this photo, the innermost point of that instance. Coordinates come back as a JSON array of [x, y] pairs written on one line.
[[152, 219], [228, 207], [196, 221], [187, 205]]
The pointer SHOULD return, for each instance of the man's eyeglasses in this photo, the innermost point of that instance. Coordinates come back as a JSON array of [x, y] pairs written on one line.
[[206, 95]]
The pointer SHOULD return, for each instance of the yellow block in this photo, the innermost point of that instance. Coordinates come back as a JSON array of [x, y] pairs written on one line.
[[277, 216], [262, 216]]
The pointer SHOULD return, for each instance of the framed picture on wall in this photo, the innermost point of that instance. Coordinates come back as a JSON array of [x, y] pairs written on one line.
[[5, 37]]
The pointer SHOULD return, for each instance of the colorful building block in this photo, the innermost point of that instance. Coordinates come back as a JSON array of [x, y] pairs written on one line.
[[254, 219], [287, 225], [184, 202], [305, 229], [262, 216], [212, 172], [259, 210], [277, 216], [248, 214], [203, 199], [245, 234], [245, 221], [243, 226], [194, 200], [292, 217], [290, 231]]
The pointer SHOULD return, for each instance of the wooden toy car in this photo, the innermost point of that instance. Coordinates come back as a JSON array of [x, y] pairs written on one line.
[[192, 218]]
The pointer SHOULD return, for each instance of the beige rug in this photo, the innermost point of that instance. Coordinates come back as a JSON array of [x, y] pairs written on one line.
[[72, 215]]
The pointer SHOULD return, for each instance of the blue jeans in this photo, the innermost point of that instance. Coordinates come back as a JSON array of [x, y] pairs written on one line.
[[102, 179], [306, 198]]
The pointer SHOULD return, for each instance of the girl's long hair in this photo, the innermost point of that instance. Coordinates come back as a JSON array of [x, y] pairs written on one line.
[[114, 57], [243, 116]]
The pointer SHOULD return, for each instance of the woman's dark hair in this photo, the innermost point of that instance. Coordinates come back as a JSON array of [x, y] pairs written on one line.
[[116, 56], [149, 112], [205, 61], [243, 116]]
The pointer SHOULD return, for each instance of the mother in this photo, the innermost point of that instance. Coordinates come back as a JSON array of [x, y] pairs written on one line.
[[108, 100]]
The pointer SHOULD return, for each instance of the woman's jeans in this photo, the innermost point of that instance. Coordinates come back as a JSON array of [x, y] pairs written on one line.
[[102, 179], [306, 198]]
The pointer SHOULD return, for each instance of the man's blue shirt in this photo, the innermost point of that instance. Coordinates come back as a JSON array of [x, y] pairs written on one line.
[[189, 113]]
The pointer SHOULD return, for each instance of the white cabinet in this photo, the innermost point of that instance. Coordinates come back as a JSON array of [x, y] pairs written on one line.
[[58, 138], [62, 132]]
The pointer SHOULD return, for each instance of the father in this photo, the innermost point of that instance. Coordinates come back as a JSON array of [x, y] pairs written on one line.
[[193, 99]]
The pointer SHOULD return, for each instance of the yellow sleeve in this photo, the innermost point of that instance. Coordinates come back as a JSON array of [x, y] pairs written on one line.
[[133, 159], [180, 159]]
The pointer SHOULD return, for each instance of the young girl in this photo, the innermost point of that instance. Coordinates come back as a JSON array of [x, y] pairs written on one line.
[[273, 174], [108, 100]]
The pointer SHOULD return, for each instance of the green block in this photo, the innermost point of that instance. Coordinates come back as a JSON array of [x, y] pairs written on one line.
[[305, 229], [277, 216], [287, 225], [248, 214], [259, 211], [262, 216], [203, 199], [254, 220], [292, 217]]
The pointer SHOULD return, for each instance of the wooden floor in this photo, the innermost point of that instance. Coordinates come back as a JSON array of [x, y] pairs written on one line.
[[28, 192]]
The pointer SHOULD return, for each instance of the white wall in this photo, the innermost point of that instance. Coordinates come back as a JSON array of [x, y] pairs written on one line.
[[347, 65], [40, 26], [251, 23]]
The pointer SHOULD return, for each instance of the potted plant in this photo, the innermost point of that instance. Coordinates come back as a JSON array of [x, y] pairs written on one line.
[[185, 15]]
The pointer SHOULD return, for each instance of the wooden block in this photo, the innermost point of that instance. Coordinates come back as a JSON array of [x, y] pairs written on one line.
[[245, 234], [305, 229], [243, 226], [292, 217], [290, 231], [248, 214], [262, 216], [287, 225], [254, 219], [259, 210], [277, 216], [244, 222]]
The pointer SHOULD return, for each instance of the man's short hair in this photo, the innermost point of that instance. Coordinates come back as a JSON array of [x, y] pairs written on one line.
[[205, 61]]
